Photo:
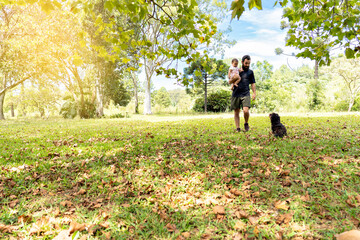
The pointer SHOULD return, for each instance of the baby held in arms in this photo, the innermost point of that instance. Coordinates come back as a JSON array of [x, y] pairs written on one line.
[[234, 73]]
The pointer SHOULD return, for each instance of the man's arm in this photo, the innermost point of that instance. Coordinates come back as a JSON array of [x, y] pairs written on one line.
[[253, 88]]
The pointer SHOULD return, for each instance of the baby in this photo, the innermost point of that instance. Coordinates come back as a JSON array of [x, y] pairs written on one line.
[[234, 73]]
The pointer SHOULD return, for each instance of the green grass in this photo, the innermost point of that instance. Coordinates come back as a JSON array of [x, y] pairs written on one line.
[[157, 180]]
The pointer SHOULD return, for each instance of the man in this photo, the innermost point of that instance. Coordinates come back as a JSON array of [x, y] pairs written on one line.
[[241, 94]]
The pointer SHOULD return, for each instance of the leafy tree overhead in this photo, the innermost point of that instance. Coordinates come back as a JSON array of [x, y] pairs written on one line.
[[316, 27], [22, 56]]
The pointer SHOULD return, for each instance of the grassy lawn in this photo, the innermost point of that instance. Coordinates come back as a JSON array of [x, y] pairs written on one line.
[[187, 179]]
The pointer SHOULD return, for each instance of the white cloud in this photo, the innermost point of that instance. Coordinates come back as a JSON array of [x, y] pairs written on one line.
[[267, 18], [266, 36]]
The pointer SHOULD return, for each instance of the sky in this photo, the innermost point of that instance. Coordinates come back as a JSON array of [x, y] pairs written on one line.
[[257, 34]]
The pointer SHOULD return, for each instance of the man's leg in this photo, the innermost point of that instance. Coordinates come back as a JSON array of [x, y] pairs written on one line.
[[237, 118], [246, 117], [246, 114]]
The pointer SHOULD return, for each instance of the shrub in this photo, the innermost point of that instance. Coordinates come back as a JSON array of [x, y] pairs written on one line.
[[69, 109], [218, 101], [88, 110], [117, 115]]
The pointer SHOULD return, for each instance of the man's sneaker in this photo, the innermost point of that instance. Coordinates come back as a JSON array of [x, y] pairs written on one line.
[[238, 130], [246, 126]]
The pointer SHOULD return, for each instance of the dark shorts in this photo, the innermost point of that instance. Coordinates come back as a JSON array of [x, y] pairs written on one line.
[[240, 102]]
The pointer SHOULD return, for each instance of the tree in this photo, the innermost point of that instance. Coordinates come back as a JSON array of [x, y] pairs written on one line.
[[22, 57], [262, 72], [114, 88], [204, 72], [162, 97], [218, 101], [71, 59], [42, 99], [349, 72]]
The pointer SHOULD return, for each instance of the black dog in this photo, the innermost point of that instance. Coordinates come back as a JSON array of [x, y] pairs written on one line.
[[278, 129]]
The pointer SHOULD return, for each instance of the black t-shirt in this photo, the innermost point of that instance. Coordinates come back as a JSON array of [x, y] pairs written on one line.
[[243, 89]]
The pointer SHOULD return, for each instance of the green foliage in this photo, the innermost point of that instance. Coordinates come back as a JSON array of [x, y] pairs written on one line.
[[237, 7], [262, 72], [316, 27], [87, 110], [117, 115], [342, 105], [115, 90], [211, 68], [162, 97], [69, 108], [314, 90], [218, 101]]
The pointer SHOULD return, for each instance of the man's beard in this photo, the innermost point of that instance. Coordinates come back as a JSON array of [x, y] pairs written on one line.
[[245, 68]]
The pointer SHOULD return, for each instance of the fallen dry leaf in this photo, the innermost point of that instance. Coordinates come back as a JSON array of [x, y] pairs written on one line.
[[284, 173], [241, 214], [253, 220], [235, 191], [357, 198], [24, 219], [185, 234], [171, 227], [239, 225], [285, 218], [238, 236], [219, 210], [81, 192], [14, 203], [205, 236], [349, 235], [35, 229], [57, 212], [352, 202], [228, 195], [93, 229], [105, 225], [74, 226], [84, 237], [305, 198], [63, 235], [163, 216], [256, 231], [106, 234], [66, 204], [281, 205], [7, 228]]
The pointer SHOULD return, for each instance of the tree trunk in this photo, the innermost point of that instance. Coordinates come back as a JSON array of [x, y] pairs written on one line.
[[42, 112], [351, 103], [99, 99], [12, 110], [133, 77], [147, 103], [149, 70], [316, 73], [136, 98], [206, 83], [2, 98], [82, 111]]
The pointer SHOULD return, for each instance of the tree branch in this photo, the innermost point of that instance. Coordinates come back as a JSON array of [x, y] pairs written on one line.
[[14, 84]]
